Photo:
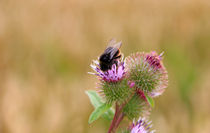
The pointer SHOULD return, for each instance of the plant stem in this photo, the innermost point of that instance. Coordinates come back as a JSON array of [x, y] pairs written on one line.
[[111, 128], [118, 117]]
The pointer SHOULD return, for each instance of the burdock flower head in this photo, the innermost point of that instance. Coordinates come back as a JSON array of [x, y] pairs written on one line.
[[148, 73], [110, 69], [142, 126]]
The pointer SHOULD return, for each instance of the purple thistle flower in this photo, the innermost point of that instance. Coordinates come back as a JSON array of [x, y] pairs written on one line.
[[142, 126], [115, 74], [154, 60]]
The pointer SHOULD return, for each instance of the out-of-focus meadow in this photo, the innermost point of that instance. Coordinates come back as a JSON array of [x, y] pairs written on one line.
[[46, 47]]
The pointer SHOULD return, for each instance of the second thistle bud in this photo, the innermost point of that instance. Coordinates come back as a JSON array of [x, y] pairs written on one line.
[[148, 72]]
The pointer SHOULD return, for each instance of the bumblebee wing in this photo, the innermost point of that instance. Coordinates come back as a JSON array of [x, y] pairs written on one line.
[[114, 47], [110, 46], [112, 42], [118, 45]]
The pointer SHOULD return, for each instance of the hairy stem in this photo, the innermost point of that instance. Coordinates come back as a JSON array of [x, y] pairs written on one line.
[[118, 117], [112, 126]]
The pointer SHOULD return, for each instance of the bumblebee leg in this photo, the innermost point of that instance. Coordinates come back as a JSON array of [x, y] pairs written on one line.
[[115, 62]]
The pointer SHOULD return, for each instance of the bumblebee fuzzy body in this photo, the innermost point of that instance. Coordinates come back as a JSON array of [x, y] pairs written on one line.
[[110, 56]]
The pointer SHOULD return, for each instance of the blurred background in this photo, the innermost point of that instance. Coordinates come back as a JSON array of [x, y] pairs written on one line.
[[46, 47]]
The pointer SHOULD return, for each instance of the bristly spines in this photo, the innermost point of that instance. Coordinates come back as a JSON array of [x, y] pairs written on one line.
[[148, 73], [118, 91], [144, 76], [136, 107]]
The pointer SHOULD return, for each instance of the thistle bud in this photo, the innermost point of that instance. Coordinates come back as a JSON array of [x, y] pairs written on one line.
[[113, 84], [137, 106], [148, 73]]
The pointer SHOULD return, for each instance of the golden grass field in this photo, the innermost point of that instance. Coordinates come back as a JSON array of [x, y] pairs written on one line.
[[46, 47]]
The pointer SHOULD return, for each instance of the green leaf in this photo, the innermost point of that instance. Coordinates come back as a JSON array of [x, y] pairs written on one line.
[[98, 112], [150, 101], [95, 99], [109, 114]]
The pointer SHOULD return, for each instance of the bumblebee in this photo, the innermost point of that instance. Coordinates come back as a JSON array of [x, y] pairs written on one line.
[[110, 55]]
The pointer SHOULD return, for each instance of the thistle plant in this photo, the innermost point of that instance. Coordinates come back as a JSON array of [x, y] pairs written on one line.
[[127, 88]]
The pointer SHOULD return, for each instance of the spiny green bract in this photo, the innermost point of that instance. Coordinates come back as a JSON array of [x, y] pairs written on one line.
[[117, 91], [145, 77], [136, 107]]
